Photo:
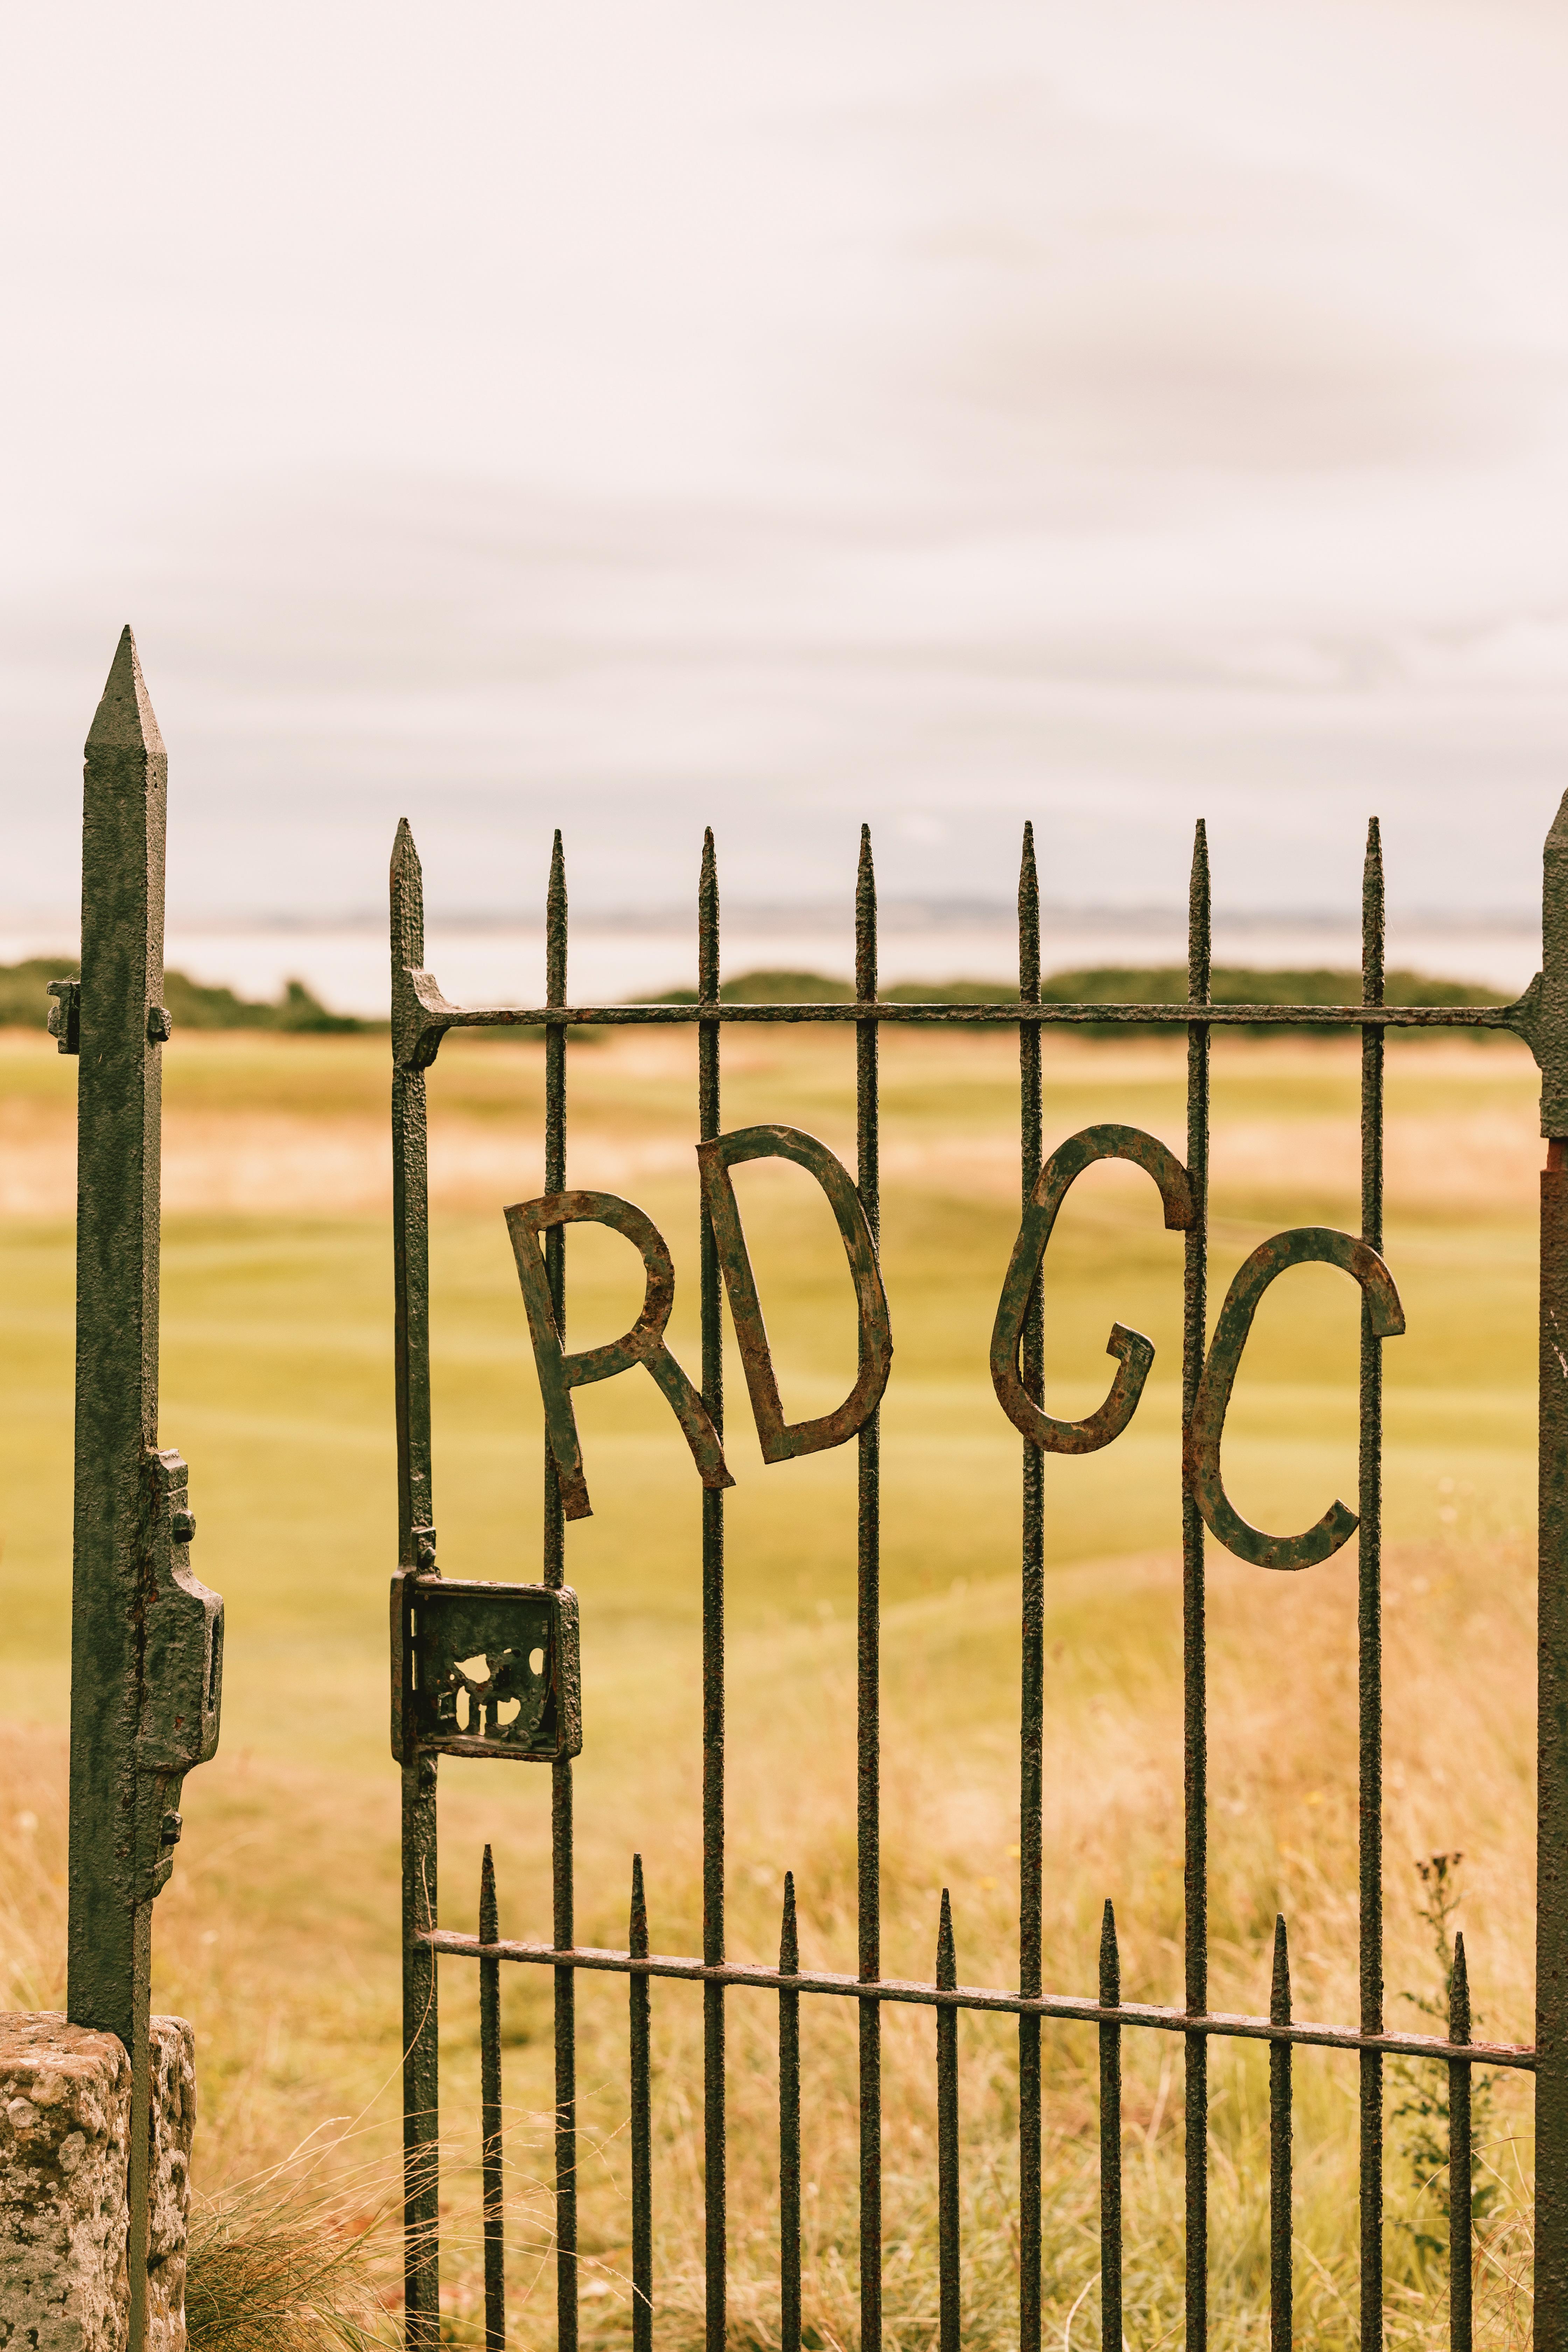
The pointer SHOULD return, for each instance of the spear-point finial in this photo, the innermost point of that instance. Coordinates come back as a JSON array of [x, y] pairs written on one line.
[[490, 1925], [946, 1959], [1550, 1037], [708, 922], [1459, 1995], [866, 922], [1028, 922], [124, 719], [1198, 919], [1279, 1990], [789, 1939], [408, 889], [638, 1937], [405, 865], [1371, 916], [555, 927], [1109, 1959]]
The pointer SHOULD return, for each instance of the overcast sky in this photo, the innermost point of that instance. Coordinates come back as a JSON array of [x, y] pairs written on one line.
[[639, 412]]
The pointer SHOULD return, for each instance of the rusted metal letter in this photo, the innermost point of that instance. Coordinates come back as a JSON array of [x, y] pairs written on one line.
[[782, 1439], [1302, 1245], [559, 1373], [1066, 1165]]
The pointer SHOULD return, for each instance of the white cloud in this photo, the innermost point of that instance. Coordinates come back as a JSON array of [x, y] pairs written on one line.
[[628, 417]]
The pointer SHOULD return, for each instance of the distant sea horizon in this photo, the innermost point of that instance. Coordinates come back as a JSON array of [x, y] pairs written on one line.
[[482, 959]]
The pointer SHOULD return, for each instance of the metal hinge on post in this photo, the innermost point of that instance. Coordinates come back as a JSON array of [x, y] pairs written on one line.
[[65, 1015]]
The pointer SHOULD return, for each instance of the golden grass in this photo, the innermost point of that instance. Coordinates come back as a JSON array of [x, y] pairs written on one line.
[[279, 1933]]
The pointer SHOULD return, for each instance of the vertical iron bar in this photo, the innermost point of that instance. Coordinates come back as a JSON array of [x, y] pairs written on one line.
[[490, 2100], [947, 2139], [1369, 1629], [1279, 2150], [1194, 1701], [642, 2124], [1110, 2140], [1033, 1611], [868, 1638], [563, 1906], [1552, 1665], [1459, 2158], [789, 2129], [114, 1828], [416, 1556], [713, 2141]]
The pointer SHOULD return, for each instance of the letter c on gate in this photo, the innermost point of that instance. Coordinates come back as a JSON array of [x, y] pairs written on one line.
[[779, 1439], [1066, 1165], [1302, 1245]]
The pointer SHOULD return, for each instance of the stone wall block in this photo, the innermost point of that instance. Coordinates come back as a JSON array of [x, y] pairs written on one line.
[[65, 2125], [65, 2129]]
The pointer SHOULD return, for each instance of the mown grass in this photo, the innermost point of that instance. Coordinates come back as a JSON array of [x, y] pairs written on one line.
[[279, 1936]]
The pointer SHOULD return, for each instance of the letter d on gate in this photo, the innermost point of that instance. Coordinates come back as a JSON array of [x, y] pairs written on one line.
[[781, 1439]]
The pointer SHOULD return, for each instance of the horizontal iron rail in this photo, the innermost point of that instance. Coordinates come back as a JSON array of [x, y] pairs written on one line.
[[439, 1016], [1069, 2006]]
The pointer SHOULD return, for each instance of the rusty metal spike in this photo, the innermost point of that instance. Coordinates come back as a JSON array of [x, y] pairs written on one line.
[[1459, 1995], [638, 1937], [490, 2146], [1372, 916], [1279, 1994], [1109, 1959], [789, 1939], [407, 898], [1199, 918], [1028, 922], [866, 922], [946, 1959], [708, 922], [640, 2023], [1281, 2302], [555, 927]]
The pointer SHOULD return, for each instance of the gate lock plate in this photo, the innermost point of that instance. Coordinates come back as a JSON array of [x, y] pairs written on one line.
[[484, 1670]]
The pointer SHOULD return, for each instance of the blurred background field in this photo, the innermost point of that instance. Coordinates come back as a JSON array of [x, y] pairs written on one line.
[[279, 1936]]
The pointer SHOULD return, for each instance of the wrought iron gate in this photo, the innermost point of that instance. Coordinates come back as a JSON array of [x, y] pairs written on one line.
[[527, 1635]]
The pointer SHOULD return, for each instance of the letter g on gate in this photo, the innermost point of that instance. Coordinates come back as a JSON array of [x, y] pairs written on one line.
[[1066, 1165]]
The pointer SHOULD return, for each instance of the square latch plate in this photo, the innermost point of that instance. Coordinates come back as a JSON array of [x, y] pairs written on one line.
[[484, 1669]]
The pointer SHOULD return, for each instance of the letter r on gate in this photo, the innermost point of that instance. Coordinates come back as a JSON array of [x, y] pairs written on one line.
[[559, 1373]]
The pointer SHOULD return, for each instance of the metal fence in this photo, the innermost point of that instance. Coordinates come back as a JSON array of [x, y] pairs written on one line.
[[436, 1708], [147, 1636]]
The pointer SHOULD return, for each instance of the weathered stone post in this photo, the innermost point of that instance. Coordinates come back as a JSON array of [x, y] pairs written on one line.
[[94, 2146]]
